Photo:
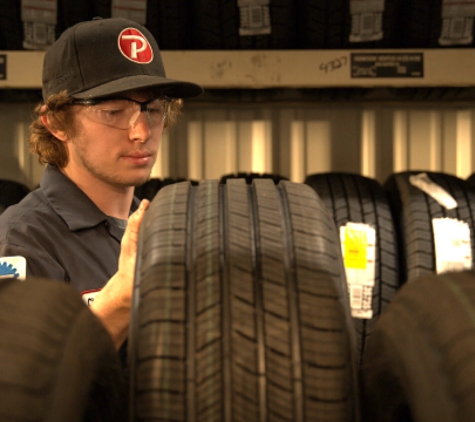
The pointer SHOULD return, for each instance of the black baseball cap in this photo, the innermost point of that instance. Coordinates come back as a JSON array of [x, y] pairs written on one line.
[[103, 57]]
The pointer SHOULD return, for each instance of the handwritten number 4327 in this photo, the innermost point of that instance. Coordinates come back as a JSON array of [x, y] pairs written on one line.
[[334, 64]]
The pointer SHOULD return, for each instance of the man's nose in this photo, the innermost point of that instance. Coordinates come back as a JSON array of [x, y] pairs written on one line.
[[140, 127]]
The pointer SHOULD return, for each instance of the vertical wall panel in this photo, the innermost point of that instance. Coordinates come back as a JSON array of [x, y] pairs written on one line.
[[195, 159], [319, 148], [400, 141], [346, 139], [464, 139], [297, 151], [449, 144], [368, 143], [219, 149], [16, 163], [424, 140], [261, 157], [245, 145], [161, 169], [282, 130]]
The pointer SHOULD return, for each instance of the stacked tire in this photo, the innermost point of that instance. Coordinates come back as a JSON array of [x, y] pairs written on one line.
[[57, 362], [419, 364], [240, 307], [360, 202], [11, 193], [414, 212]]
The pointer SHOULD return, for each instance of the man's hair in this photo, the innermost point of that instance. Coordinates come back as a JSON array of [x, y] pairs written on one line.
[[51, 150]]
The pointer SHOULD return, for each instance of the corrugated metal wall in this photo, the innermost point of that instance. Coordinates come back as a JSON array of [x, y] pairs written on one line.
[[293, 141]]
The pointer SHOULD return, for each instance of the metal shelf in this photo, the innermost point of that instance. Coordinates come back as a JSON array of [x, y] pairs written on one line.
[[258, 69]]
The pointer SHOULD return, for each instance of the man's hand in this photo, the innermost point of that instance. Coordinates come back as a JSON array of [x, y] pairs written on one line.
[[112, 304]]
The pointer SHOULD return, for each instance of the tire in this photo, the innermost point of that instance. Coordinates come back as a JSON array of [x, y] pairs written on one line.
[[249, 177], [327, 24], [73, 12], [57, 362], [471, 180], [151, 187], [240, 308], [170, 23], [413, 211], [11, 28], [419, 363], [11, 193], [358, 199], [283, 21], [215, 25], [424, 24]]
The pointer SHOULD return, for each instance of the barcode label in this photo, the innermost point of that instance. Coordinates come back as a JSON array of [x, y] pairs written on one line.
[[37, 35], [356, 297], [456, 31], [254, 20], [366, 20], [366, 27], [457, 22], [452, 245], [361, 301], [358, 245], [452, 266], [39, 19]]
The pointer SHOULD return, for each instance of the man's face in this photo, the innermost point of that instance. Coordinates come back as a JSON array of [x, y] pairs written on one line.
[[119, 157]]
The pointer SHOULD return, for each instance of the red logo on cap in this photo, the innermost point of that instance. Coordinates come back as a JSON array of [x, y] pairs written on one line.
[[134, 46]]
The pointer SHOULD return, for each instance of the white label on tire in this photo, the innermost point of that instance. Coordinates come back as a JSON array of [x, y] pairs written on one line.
[[13, 267], [366, 20], [436, 192], [254, 16], [135, 10], [358, 243], [457, 22], [453, 251], [39, 19]]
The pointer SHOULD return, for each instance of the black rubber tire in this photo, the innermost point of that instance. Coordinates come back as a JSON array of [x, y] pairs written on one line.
[[419, 364], [284, 29], [424, 24], [170, 23], [11, 27], [57, 362], [11, 193], [215, 25], [359, 199], [240, 308], [327, 24], [413, 211], [73, 12], [471, 180], [249, 177]]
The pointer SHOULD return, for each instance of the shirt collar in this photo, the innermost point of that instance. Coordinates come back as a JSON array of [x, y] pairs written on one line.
[[70, 202]]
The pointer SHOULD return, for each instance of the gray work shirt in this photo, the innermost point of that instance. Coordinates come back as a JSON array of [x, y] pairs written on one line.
[[62, 234]]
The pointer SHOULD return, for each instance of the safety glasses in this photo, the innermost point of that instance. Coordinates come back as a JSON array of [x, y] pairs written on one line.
[[122, 113]]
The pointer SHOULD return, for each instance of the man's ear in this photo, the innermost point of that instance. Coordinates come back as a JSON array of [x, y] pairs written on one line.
[[52, 126]]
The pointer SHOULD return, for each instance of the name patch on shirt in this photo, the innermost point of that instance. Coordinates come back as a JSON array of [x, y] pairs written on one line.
[[13, 267], [89, 295]]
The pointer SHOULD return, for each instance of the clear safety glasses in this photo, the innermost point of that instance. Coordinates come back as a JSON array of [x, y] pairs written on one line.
[[122, 113]]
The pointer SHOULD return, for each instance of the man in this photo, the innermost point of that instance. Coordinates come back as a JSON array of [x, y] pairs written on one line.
[[106, 101]]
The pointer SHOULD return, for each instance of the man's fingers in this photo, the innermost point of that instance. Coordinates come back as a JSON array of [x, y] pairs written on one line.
[[135, 220], [131, 235]]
